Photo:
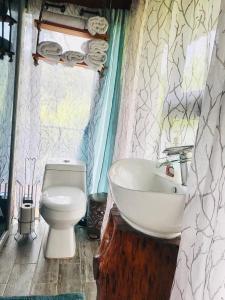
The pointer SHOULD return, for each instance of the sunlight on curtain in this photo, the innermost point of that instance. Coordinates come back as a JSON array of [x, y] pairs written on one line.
[[53, 106], [168, 50], [200, 268]]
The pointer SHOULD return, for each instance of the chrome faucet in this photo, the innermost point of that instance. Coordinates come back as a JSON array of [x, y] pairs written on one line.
[[182, 151]]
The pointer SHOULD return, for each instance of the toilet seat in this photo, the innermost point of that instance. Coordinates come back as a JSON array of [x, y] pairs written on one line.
[[63, 198]]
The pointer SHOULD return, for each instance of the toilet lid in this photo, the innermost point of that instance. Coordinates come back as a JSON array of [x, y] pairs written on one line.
[[63, 198]]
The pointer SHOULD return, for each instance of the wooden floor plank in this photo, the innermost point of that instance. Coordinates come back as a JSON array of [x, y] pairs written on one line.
[[20, 280], [44, 289], [7, 259], [90, 290], [69, 278], [24, 270], [87, 249], [2, 289], [47, 270]]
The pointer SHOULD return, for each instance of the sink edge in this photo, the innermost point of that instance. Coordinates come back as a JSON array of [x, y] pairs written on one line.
[[149, 232]]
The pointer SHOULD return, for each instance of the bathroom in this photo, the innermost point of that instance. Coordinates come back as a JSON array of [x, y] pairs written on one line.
[[112, 149]]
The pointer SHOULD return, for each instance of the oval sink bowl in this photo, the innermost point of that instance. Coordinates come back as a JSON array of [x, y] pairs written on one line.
[[148, 201]]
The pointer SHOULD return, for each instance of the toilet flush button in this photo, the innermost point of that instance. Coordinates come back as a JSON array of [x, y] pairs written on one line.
[[66, 161]]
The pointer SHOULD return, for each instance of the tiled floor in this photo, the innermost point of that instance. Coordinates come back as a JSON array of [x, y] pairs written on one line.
[[25, 271]]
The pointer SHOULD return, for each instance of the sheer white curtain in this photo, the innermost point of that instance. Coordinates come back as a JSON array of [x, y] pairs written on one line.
[[174, 71], [168, 48], [201, 263], [167, 55], [53, 105]]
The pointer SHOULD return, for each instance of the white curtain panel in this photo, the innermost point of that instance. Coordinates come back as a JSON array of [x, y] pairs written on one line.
[[167, 55], [168, 48], [174, 71], [53, 104], [200, 270]]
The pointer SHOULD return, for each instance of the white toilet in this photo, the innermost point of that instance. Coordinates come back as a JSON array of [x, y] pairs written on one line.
[[63, 204]]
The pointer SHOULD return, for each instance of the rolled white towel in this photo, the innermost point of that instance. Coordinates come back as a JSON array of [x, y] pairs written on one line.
[[71, 58], [50, 50], [95, 60], [97, 25], [71, 21], [95, 46], [52, 59]]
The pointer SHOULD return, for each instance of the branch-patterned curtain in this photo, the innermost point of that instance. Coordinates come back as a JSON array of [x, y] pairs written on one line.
[[174, 70], [200, 270], [168, 49]]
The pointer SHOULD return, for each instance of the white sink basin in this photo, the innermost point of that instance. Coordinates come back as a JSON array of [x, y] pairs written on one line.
[[148, 201]]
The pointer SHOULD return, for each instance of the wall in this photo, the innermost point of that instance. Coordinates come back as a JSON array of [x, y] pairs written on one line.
[[167, 54]]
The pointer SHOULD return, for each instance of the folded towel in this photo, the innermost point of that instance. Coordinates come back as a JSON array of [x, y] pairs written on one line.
[[95, 46], [71, 58], [62, 19], [95, 60], [50, 50], [97, 25], [52, 59]]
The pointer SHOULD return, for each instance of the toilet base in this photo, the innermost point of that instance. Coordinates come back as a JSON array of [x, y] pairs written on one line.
[[60, 243]]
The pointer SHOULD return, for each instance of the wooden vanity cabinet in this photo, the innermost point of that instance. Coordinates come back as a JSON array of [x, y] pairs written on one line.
[[133, 266]]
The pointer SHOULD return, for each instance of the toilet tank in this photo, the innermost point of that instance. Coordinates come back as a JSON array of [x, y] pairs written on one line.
[[65, 173]]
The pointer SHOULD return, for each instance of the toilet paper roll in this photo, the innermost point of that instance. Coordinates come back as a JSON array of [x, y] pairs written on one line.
[[27, 213], [26, 221], [26, 228]]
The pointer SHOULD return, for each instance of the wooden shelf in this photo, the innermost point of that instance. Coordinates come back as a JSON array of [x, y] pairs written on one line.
[[39, 57], [7, 19], [47, 25], [117, 4]]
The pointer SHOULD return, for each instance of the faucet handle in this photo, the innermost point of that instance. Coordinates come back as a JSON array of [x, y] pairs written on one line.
[[178, 150]]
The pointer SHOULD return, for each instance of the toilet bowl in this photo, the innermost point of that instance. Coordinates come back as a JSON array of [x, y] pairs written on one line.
[[62, 205]]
